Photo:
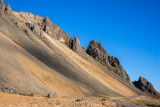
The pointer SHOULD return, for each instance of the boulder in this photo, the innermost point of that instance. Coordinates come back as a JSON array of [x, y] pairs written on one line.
[[50, 95]]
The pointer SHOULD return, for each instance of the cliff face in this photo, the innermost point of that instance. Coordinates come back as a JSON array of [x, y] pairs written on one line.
[[146, 87], [96, 50], [39, 25]]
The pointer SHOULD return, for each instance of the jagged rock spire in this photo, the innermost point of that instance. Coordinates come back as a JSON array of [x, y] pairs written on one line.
[[2, 5], [76, 44], [8, 7], [46, 19]]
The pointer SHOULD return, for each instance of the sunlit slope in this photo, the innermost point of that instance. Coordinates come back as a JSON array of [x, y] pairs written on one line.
[[44, 65]]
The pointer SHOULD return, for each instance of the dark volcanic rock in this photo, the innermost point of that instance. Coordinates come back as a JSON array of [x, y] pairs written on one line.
[[116, 66], [96, 50], [146, 87]]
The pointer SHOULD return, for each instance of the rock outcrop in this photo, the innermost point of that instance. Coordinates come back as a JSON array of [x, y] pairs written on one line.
[[116, 66], [96, 50], [146, 87], [2, 5], [8, 9], [4, 9], [76, 47], [76, 44], [38, 25]]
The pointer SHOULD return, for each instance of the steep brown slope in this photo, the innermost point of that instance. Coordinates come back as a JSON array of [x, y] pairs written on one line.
[[42, 64]]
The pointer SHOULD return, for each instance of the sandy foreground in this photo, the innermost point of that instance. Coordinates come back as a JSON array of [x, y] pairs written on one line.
[[11, 100]]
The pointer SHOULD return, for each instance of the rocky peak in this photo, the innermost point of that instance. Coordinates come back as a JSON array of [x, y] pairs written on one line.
[[146, 87], [143, 84], [39, 25], [8, 9], [2, 5], [98, 45], [96, 50], [46, 19], [75, 44]]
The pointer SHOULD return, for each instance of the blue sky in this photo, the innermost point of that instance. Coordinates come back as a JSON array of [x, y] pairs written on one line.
[[128, 29]]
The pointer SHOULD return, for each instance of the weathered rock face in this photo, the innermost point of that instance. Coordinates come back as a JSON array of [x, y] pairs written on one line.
[[116, 66], [146, 87], [96, 50], [3, 9], [76, 44], [2, 5], [76, 47], [38, 25], [8, 9]]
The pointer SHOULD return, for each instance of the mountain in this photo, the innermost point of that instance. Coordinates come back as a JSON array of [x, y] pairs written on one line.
[[38, 58], [146, 87], [96, 50]]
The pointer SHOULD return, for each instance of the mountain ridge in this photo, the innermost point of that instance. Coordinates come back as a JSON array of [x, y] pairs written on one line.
[[52, 51]]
